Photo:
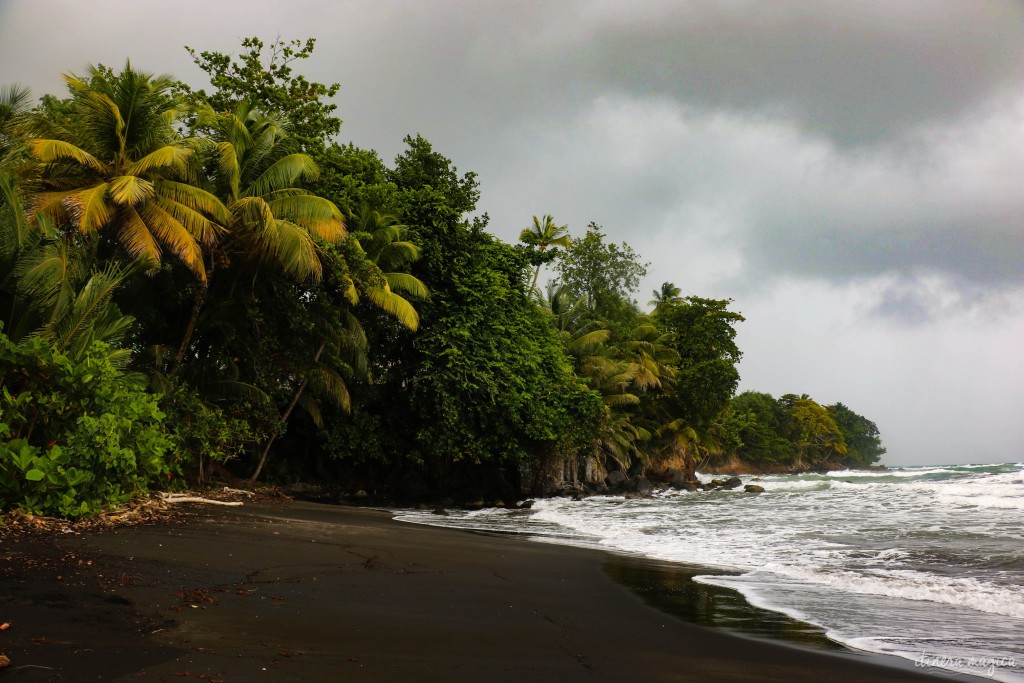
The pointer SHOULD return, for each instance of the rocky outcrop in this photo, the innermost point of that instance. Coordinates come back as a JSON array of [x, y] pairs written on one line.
[[753, 488]]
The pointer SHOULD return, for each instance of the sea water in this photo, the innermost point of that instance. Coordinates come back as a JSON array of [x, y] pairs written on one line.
[[925, 563]]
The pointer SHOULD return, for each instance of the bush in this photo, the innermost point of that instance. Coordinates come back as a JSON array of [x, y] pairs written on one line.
[[75, 435]]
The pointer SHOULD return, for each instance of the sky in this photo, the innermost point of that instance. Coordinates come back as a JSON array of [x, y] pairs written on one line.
[[849, 172]]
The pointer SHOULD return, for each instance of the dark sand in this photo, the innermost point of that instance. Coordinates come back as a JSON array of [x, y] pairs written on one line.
[[303, 592]]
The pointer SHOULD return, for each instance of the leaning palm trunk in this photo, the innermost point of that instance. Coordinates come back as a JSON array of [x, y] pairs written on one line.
[[197, 306], [284, 418]]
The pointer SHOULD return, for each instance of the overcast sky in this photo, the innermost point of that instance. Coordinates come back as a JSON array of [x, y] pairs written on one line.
[[850, 172]]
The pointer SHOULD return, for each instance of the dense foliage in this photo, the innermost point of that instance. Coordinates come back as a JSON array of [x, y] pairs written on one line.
[[199, 284], [796, 432]]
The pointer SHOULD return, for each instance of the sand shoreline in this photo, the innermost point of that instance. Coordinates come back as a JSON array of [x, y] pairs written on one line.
[[305, 592]]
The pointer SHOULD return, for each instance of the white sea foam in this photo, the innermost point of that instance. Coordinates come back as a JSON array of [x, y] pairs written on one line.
[[906, 561]]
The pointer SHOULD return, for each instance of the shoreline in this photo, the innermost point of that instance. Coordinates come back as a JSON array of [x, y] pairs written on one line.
[[306, 592]]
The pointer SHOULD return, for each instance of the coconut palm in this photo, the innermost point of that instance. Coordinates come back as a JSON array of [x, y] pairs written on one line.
[[273, 220], [667, 294], [14, 105], [119, 168], [543, 234], [382, 240], [385, 244]]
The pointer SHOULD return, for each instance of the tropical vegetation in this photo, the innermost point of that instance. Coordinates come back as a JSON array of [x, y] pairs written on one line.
[[198, 285]]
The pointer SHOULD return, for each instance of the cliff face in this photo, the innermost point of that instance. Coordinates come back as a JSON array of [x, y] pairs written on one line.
[[736, 466]]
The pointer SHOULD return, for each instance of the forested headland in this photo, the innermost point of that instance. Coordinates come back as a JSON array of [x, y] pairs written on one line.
[[201, 284]]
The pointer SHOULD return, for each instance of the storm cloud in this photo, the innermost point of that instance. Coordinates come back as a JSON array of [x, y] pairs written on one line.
[[850, 172]]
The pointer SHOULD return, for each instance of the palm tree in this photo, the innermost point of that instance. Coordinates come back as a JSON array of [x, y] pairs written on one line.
[[382, 240], [385, 244], [121, 169], [543, 234], [667, 294], [14, 230], [272, 220]]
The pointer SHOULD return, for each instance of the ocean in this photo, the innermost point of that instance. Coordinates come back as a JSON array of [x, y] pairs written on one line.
[[924, 563]]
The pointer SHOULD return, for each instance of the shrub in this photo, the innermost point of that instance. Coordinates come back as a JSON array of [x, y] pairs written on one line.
[[75, 435]]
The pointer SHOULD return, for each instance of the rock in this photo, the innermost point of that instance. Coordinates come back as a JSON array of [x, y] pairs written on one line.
[[440, 511], [615, 479], [689, 486], [361, 494], [632, 495], [753, 488], [677, 477], [475, 505], [525, 505], [732, 482], [718, 482], [639, 485]]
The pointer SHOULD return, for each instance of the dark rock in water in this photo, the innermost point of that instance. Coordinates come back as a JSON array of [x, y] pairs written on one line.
[[676, 477], [753, 488], [440, 511], [642, 486], [475, 505], [525, 505], [632, 495], [718, 482], [732, 482], [615, 479], [689, 486]]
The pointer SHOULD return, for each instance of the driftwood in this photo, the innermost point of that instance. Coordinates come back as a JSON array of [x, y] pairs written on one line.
[[171, 498], [241, 492]]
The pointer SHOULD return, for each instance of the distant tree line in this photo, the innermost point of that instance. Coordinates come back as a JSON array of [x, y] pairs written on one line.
[[200, 282]]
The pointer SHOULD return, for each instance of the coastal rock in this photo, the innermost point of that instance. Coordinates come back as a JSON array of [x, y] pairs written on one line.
[[753, 488], [615, 479], [641, 486], [440, 511], [688, 486], [732, 482], [718, 482]]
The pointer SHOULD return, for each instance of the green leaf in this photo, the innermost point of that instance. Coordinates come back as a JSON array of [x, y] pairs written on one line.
[[34, 475]]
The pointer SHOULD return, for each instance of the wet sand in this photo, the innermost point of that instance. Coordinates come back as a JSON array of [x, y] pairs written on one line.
[[304, 592]]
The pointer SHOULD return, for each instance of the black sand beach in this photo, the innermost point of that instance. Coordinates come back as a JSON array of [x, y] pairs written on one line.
[[303, 592]]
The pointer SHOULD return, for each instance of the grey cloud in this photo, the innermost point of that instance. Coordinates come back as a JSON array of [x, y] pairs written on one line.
[[856, 71]]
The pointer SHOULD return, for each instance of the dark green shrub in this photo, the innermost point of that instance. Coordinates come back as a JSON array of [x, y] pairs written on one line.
[[75, 435]]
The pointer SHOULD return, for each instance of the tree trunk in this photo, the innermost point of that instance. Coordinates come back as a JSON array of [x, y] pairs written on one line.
[[284, 418], [197, 306]]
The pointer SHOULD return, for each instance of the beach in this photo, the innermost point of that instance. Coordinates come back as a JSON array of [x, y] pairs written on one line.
[[306, 592]]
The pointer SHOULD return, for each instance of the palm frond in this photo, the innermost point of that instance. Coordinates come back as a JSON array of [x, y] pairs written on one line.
[[173, 156], [130, 189], [284, 172], [292, 248], [312, 408], [409, 284], [394, 305], [136, 237], [174, 237], [49, 151], [89, 208], [331, 384], [318, 215]]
